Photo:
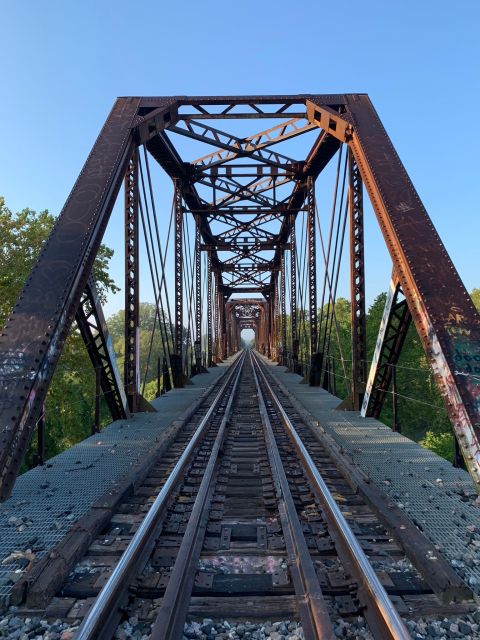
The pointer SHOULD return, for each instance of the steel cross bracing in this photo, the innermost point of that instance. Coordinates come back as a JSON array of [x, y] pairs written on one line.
[[244, 190]]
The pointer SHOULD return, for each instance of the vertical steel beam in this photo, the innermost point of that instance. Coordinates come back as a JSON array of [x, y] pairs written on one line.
[[222, 320], [198, 297], [177, 357], [315, 364], [312, 266], [209, 311], [357, 283], [283, 310], [293, 294], [132, 300], [38, 458]]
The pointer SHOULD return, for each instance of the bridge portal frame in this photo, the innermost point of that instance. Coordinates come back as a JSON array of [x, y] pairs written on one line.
[[441, 308]]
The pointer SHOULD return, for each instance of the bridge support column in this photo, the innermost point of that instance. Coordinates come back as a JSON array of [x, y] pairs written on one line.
[[210, 354], [315, 358], [177, 357], [293, 297], [357, 283], [198, 367], [132, 347], [283, 313]]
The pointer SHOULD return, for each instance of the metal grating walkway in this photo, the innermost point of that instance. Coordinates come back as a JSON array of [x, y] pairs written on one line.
[[47, 501], [438, 498]]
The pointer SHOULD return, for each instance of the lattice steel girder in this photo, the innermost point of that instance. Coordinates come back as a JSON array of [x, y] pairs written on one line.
[[283, 312], [209, 313], [131, 365], [312, 266], [357, 283], [178, 244], [253, 191], [391, 337], [93, 328], [293, 288], [249, 227], [238, 192], [251, 170], [246, 267], [445, 317], [233, 147], [320, 155], [198, 290], [233, 246]]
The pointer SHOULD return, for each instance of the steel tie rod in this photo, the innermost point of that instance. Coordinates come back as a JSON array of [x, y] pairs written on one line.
[[96, 622], [390, 620]]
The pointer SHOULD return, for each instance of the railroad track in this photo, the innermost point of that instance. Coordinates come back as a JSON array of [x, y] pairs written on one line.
[[246, 516]]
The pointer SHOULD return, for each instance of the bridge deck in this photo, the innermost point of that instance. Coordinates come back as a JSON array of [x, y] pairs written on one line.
[[48, 500], [437, 497]]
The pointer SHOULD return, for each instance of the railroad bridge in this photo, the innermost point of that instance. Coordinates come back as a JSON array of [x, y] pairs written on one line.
[[150, 517]]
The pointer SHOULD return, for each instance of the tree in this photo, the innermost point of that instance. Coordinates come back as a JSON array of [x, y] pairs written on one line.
[[70, 399], [150, 350]]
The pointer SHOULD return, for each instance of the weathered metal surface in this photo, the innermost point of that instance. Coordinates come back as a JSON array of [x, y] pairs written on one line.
[[33, 337], [446, 320], [391, 336], [357, 283], [253, 193], [132, 284], [93, 328]]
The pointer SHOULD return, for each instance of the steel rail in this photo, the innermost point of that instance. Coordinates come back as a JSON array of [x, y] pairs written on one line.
[[175, 601], [97, 623], [387, 620], [312, 607]]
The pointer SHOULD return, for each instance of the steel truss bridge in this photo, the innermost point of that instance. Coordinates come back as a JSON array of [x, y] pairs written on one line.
[[251, 260]]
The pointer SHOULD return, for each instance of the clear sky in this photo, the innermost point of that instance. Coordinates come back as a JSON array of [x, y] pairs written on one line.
[[62, 63]]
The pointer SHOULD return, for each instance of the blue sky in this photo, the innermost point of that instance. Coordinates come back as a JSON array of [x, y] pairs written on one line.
[[63, 63]]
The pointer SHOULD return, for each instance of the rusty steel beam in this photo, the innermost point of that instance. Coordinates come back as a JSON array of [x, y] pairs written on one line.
[[331, 99], [131, 365], [323, 150], [312, 267], [444, 315], [391, 337], [177, 357], [209, 313], [239, 147], [283, 310], [228, 142], [293, 294], [198, 298], [93, 329], [357, 284], [443, 312], [34, 334]]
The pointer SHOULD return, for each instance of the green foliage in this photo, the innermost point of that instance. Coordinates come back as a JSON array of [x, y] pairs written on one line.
[[440, 443], [476, 298], [421, 412], [147, 315], [70, 401]]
